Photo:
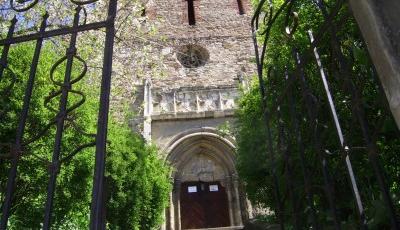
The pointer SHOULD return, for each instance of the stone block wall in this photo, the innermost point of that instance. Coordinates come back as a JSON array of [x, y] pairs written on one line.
[[219, 28], [213, 18], [178, 93], [229, 60], [185, 105]]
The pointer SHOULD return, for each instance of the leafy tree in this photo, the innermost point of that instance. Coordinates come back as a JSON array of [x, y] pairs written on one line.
[[254, 161], [136, 48], [137, 180]]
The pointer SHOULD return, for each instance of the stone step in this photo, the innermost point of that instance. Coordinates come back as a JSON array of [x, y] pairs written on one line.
[[220, 228]]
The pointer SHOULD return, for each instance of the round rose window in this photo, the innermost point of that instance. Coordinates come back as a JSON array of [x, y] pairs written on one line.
[[192, 56]]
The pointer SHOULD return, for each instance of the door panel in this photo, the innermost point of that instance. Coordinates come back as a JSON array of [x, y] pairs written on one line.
[[192, 213], [203, 206], [216, 204]]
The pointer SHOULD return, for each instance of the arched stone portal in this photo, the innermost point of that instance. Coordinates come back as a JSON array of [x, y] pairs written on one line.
[[205, 182]]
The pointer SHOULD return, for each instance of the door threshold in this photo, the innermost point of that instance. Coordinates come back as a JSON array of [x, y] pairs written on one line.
[[219, 228]]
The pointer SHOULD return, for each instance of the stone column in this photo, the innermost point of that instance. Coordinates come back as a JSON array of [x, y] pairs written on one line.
[[238, 210], [229, 190], [148, 110], [249, 209], [379, 22], [175, 110], [176, 225], [164, 225], [170, 218], [197, 103], [221, 104]]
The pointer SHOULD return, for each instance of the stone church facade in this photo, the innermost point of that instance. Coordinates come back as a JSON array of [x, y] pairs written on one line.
[[207, 54]]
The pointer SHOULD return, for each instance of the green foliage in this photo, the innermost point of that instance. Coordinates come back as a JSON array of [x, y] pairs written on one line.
[[255, 162], [254, 166], [140, 170], [137, 180], [34, 164], [251, 153]]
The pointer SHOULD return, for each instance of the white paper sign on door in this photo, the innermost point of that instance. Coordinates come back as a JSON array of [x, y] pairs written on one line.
[[214, 188], [192, 189]]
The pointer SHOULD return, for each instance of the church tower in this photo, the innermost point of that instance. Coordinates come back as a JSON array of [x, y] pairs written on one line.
[[206, 49]]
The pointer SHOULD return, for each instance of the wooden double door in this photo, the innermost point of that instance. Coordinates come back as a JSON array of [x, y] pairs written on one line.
[[203, 205]]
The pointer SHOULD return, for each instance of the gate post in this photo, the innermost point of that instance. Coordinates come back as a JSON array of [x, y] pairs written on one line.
[[379, 22], [98, 205]]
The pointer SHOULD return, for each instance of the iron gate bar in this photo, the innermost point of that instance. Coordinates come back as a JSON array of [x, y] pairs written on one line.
[[344, 147], [328, 25], [300, 146], [6, 48], [309, 99], [17, 149], [54, 33], [97, 215], [26, 8], [10, 183], [363, 123], [284, 150], [312, 106], [280, 98], [61, 116], [372, 151], [97, 220], [260, 69], [272, 18], [277, 194]]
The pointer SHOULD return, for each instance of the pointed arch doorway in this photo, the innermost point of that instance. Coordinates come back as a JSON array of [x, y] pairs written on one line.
[[206, 188]]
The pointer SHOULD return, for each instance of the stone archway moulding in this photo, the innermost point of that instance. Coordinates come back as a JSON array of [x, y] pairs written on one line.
[[185, 143], [206, 132], [180, 150]]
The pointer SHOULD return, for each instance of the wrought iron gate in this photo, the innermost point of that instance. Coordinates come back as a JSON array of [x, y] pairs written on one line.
[[313, 91], [65, 88]]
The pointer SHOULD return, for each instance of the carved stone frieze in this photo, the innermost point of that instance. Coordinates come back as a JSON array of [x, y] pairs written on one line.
[[194, 100], [204, 168]]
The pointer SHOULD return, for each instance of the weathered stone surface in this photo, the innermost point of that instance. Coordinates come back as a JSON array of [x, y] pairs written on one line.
[[203, 168], [183, 109], [164, 131], [185, 100], [379, 22], [219, 29], [225, 64], [213, 18]]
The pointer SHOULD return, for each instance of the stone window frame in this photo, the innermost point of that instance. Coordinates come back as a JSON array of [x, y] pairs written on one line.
[[192, 55]]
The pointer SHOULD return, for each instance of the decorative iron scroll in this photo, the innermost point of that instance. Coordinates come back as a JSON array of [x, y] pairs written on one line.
[[24, 5], [305, 91], [64, 113]]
